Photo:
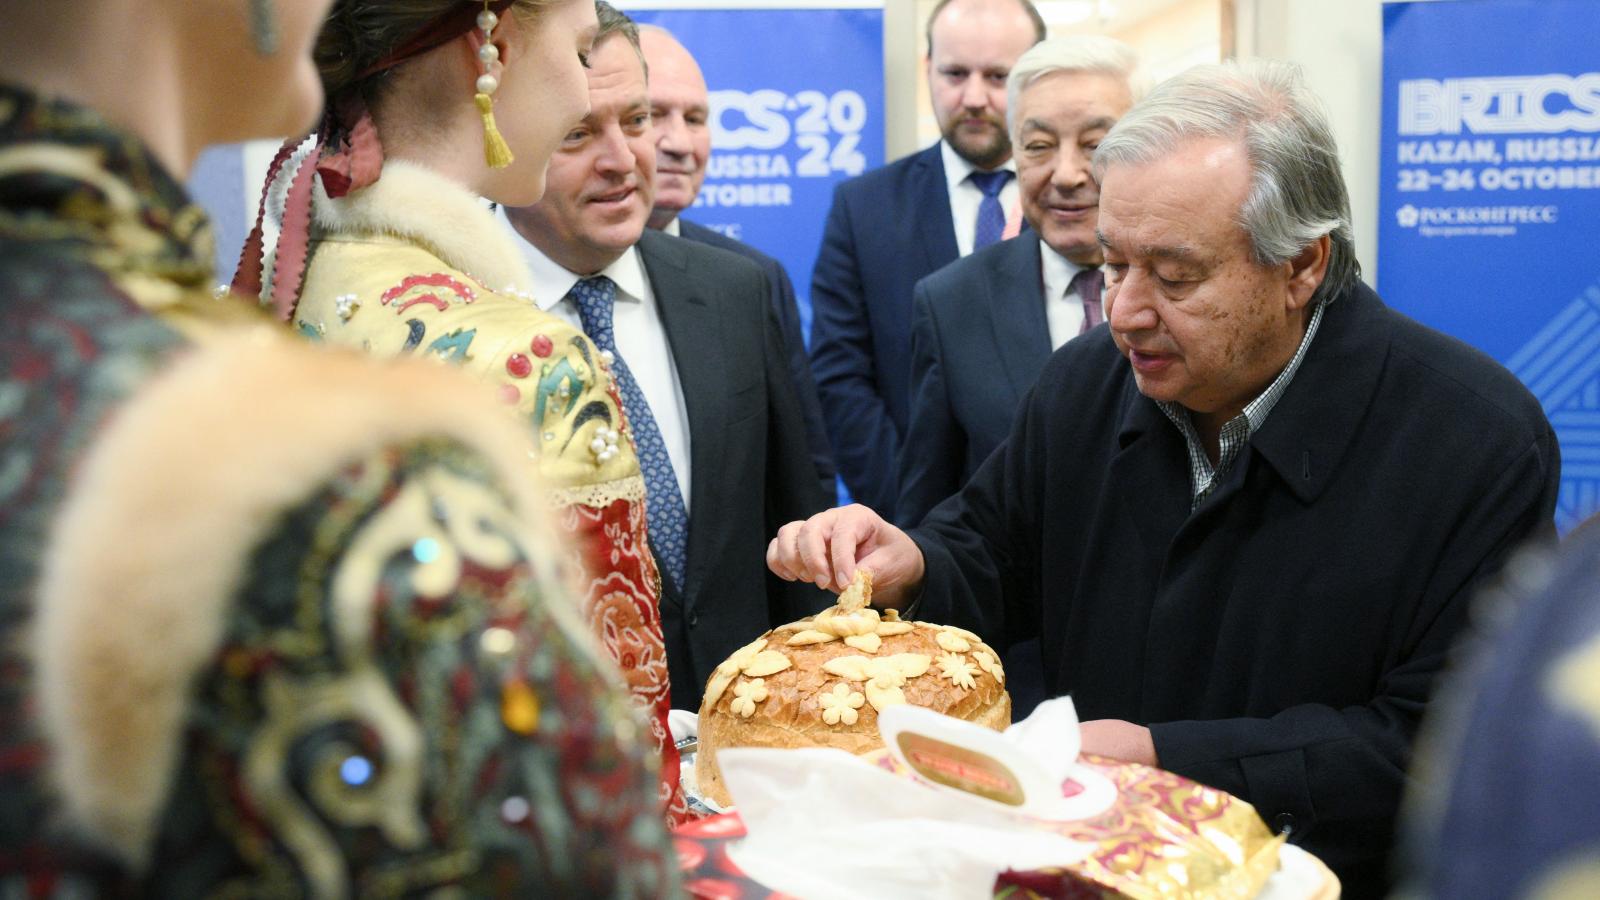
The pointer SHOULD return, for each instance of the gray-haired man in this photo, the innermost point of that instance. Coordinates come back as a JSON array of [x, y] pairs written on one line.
[[1014, 302], [1247, 519]]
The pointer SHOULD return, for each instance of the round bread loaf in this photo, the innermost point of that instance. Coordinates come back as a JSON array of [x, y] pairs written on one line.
[[820, 682]]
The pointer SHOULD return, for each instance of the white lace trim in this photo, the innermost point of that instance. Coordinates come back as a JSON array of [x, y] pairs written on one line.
[[599, 495]]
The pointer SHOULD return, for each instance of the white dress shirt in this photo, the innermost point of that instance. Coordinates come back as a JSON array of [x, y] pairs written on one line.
[[641, 340], [673, 228], [1063, 307], [965, 196]]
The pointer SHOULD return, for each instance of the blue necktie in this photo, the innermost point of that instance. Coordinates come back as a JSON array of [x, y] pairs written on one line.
[[991, 218], [596, 298]]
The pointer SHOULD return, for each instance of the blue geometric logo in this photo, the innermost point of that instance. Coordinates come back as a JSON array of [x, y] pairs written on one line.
[[1561, 366]]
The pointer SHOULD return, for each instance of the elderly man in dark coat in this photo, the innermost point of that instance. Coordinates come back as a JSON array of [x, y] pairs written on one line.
[[1247, 548]]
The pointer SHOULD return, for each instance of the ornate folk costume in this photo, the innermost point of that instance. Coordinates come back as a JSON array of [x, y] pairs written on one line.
[[414, 264], [297, 630]]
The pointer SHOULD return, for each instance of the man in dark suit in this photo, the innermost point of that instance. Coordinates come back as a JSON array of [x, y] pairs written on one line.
[[892, 226], [699, 363], [679, 113], [984, 325], [1248, 519]]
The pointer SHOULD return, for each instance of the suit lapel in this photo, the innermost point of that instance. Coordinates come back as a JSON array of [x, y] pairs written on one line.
[[1017, 317], [931, 207], [694, 332]]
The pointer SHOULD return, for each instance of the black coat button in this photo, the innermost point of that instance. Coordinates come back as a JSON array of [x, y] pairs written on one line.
[[694, 619], [1283, 823]]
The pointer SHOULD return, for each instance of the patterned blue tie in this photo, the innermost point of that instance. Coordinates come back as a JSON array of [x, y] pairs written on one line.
[[991, 218], [669, 521]]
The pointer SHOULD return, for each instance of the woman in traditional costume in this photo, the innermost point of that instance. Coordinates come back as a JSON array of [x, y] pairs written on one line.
[[387, 245], [275, 620]]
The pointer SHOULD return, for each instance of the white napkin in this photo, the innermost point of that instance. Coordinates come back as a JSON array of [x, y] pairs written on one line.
[[825, 824], [683, 724]]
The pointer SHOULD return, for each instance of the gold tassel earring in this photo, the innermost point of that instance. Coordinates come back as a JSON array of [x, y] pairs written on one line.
[[495, 151]]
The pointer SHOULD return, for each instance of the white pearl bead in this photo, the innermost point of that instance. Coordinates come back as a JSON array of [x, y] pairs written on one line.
[[487, 20], [487, 84], [597, 445], [488, 53]]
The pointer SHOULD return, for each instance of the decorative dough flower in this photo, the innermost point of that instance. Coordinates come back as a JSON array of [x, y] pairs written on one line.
[[863, 629], [883, 675], [956, 668], [840, 705], [989, 662], [885, 692], [867, 643], [962, 632], [746, 694], [753, 659], [951, 641]]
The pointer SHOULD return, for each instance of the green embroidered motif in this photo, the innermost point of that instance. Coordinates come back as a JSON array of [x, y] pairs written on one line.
[[560, 381], [453, 346]]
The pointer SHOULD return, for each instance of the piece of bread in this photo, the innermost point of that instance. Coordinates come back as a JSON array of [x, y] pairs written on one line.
[[820, 682]]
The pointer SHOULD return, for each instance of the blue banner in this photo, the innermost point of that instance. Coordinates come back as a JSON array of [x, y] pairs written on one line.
[[1489, 198], [796, 107]]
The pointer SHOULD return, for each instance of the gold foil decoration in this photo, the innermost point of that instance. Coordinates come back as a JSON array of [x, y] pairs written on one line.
[[1165, 838], [519, 707]]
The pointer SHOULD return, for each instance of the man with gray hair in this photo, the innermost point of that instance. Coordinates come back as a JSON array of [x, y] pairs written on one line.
[[1247, 519], [1014, 302]]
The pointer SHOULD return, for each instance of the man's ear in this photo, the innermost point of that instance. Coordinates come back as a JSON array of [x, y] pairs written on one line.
[[1306, 271]]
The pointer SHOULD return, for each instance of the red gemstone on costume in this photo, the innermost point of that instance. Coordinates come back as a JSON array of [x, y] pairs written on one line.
[[542, 346], [519, 366]]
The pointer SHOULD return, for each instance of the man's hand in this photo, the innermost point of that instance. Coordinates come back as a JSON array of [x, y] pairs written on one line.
[[1119, 740], [827, 548]]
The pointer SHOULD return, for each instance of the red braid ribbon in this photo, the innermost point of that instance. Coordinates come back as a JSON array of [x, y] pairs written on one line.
[[347, 154]]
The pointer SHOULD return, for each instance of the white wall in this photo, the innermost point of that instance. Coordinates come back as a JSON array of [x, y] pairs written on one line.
[[1339, 43]]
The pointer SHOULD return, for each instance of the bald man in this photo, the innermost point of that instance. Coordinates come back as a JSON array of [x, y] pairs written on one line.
[[680, 112], [680, 115], [892, 226]]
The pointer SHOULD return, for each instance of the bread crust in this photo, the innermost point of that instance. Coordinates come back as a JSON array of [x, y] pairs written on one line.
[[829, 692]]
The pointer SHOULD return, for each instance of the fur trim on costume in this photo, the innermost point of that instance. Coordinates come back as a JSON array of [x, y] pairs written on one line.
[[156, 535], [428, 209]]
